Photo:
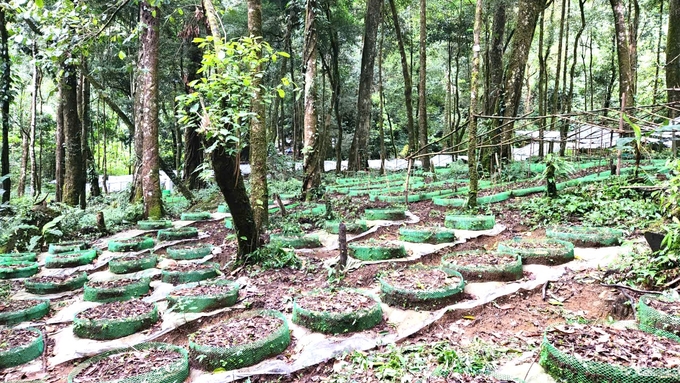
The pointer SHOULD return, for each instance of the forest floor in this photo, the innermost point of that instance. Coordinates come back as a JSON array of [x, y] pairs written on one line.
[[509, 328]]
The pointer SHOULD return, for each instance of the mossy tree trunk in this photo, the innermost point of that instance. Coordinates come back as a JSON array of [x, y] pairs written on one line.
[[311, 148], [422, 85], [406, 73], [5, 100], [147, 86], [74, 176], [472, 126], [259, 193], [673, 55]]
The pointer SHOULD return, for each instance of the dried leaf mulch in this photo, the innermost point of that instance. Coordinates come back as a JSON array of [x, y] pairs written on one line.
[[17, 305], [57, 279], [533, 245], [184, 267], [341, 301], [237, 331], [420, 279], [14, 337], [127, 365], [481, 258], [202, 290], [117, 310], [116, 283], [627, 347], [670, 308]]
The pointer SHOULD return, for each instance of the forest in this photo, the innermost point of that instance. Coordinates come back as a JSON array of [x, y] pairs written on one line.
[[331, 190]]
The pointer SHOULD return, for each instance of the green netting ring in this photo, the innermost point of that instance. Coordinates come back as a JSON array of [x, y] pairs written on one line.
[[385, 214], [131, 244], [375, 251], [434, 235], [18, 269], [223, 208], [178, 233], [470, 222], [358, 226], [243, 355], [656, 321], [586, 236], [194, 251], [229, 223], [206, 302], [174, 373], [424, 299], [25, 353], [501, 272], [70, 283], [18, 257], [178, 277], [576, 370], [73, 259], [106, 329], [196, 216], [330, 322], [539, 251], [132, 264], [36, 311], [109, 294], [67, 247], [295, 241], [154, 224]]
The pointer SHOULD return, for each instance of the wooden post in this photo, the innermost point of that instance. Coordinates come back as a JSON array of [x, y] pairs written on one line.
[[619, 151], [342, 246], [101, 224]]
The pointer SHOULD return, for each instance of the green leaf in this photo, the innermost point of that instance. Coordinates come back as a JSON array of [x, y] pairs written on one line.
[[281, 92], [39, 3], [121, 55]]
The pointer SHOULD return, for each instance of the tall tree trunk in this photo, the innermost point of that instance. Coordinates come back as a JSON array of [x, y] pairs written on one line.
[[74, 177], [673, 55], [655, 88], [577, 40], [259, 193], [406, 73], [312, 174], [472, 125], [542, 84], [59, 152], [37, 80], [381, 97], [422, 85], [358, 153], [495, 77], [147, 86], [23, 163], [89, 166], [228, 174], [557, 99], [625, 49], [527, 16], [5, 100]]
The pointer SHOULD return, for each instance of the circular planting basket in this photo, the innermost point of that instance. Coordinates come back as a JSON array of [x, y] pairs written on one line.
[[178, 233], [178, 277], [539, 251], [206, 302], [470, 222], [36, 311], [375, 251], [586, 236], [196, 216], [154, 224], [656, 321], [329, 322], [131, 244], [71, 283], [125, 265], [18, 269], [433, 235], [185, 252], [572, 369], [67, 247], [174, 373], [18, 257], [424, 299], [222, 208], [358, 226], [107, 329], [122, 293], [243, 355], [385, 214], [25, 353], [73, 259], [503, 272], [296, 241]]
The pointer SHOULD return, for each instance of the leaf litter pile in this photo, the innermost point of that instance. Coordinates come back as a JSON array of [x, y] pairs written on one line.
[[14, 337], [670, 308], [134, 257], [626, 347], [117, 310], [202, 290], [57, 279], [420, 279], [336, 302], [464, 378], [184, 267], [116, 283], [237, 331], [535, 245], [17, 305], [128, 364], [15, 266], [481, 258]]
